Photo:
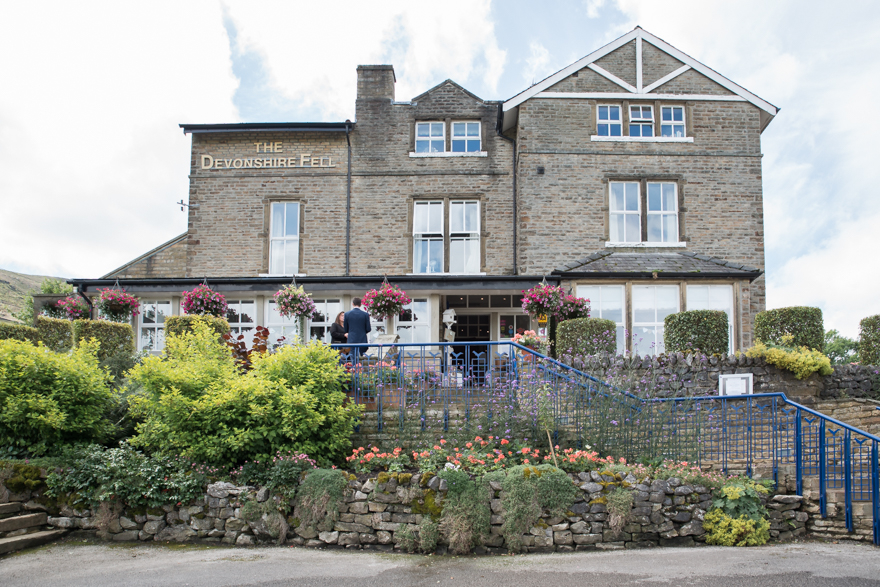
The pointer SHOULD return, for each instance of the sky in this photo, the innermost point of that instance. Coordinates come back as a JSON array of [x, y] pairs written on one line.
[[92, 159]]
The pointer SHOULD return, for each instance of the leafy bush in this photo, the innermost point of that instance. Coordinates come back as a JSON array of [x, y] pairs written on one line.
[[801, 322], [869, 340], [56, 333], [195, 402], [738, 517], [281, 474], [620, 502], [586, 336], [465, 519], [47, 398], [802, 361], [319, 497], [19, 332], [703, 330], [95, 474], [114, 338], [840, 349], [179, 325], [527, 492]]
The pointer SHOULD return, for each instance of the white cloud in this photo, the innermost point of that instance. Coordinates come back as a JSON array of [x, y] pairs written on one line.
[[537, 63], [91, 159], [426, 44], [593, 7]]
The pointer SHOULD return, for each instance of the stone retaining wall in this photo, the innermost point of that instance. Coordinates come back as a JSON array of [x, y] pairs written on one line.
[[664, 513]]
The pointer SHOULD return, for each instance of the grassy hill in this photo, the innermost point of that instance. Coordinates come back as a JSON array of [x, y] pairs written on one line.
[[14, 288]]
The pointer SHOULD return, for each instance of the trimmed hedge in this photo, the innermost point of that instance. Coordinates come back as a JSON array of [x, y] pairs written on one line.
[[703, 330], [586, 336], [114, 337], [57, 334], [20, 332], [804, 323], [869, 340], [179, 325]]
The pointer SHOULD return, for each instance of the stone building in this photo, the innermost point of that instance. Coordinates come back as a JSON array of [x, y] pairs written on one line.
[[632, 177]]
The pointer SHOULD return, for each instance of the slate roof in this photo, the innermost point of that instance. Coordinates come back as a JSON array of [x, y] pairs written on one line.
[[609, 263]]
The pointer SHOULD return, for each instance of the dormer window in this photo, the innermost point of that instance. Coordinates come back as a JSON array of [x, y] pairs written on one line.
[[465, 137], [430, 137], [609, 121], [641, 121]]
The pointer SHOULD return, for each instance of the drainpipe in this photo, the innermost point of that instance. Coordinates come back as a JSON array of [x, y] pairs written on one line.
[[513, 144], [348, 203]]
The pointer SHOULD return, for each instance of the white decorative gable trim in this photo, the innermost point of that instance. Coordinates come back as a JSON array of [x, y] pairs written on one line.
[[510, 107]]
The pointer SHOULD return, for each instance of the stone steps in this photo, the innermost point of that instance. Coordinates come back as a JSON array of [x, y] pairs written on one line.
[[13, 543], [23, 521], [7, 510]]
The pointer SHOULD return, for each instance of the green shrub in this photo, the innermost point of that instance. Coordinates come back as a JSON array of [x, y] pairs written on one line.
[[586, 336], [56, 333], [47, 399], [96, 474], [178, 325], [20, 332], [840, 349], [802, 322], [703, 330], [802, 361], [869, 340], [465, 520], [738, 517], [195, 403], [114, 338], [319, 497]]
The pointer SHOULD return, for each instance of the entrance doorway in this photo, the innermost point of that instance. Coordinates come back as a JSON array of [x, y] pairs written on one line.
[[472, 360]]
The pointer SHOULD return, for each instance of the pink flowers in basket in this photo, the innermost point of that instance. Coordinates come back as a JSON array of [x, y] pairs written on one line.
[[551, 300], [203, 301], [117, 305], [294, 302], [386, 301], [73, 307]]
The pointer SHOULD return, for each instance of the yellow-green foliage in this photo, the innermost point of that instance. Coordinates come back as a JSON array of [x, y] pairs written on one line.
[[802, 361], [19, 332], [114, 338], [724, 530], [21, 478], [179, 325], [49, 399], [55, 333], [195, 402]]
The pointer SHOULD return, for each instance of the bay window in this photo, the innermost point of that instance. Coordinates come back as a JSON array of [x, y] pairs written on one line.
[[320, 323], [713, 297], [651, 304], [414, 323], [151, 324], [242, 318], [607, 302]]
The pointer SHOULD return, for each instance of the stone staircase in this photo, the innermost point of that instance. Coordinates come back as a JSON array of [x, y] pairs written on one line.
[[20, 528]]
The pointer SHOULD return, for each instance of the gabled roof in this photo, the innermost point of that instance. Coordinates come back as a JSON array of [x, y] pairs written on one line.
[[656, 265], [510, 107], [443, 83], [149, 253]]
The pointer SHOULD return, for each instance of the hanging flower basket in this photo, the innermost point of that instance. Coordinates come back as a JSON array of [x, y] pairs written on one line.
[[573, 307], [203, 301], [543, 299], [385, 302], [117, 305], [73, 307], [294, 302]]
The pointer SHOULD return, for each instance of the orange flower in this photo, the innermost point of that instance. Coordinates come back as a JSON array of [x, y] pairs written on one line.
[[469, 444], [504, 441], [442, 441], [436, 447]]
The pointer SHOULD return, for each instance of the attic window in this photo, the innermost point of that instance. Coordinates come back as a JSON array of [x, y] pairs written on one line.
[[609, 121], [430, 137], [672, 121], [465, 137]]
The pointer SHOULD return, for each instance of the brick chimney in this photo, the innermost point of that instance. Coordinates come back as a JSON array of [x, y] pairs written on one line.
[[376, 82]]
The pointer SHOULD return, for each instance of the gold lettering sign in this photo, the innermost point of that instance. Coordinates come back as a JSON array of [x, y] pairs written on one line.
[[265, 161]]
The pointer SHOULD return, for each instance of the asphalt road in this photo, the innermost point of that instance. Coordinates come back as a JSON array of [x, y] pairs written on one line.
[[73, 562]]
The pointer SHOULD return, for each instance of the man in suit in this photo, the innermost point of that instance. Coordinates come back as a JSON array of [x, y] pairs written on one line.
[[356, 324]]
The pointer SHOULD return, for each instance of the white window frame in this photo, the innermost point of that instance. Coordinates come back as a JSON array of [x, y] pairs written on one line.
[[608, 121], [674, 129], [664, 237], [245, 328], [605, 292], [323, 306], [468, 238], [280, 326], [430, 236], [710, 288], [656, 325], [641, 121], [278, 244], [466, 136], [419, 328], [158, 328], [431, 138], [612, 212]]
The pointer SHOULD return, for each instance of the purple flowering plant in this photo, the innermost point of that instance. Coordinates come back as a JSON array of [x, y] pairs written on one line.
[[386, 301], [203, 301], [294, 302]]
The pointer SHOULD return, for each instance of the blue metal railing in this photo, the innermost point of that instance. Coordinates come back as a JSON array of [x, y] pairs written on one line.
[[494, 382]]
